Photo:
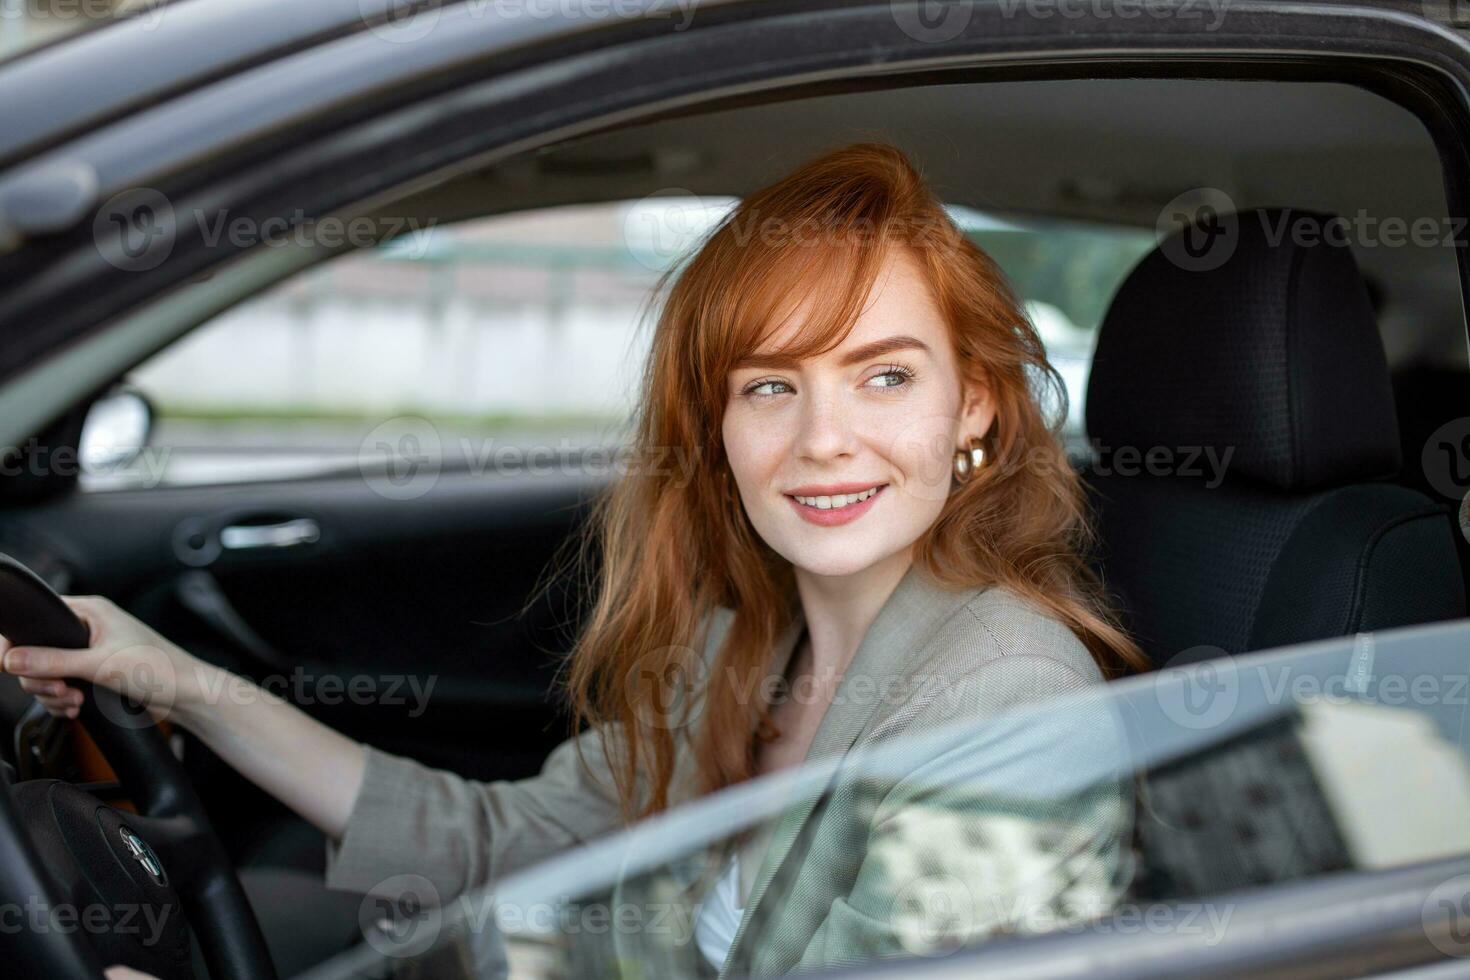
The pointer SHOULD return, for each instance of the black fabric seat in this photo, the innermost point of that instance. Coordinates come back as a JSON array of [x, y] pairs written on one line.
[[1272, 356]]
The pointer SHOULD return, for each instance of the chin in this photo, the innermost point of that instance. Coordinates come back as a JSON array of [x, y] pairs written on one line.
[[836, 567], [838, 559]]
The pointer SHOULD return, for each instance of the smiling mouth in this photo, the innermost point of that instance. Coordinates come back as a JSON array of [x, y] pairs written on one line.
[[835, 501]]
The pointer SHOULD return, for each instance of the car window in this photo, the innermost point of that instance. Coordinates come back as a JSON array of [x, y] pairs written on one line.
[[1155, 803], [1066, 273], [503, 343]]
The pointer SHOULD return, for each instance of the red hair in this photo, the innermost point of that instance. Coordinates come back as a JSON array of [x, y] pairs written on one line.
[[674, 543]]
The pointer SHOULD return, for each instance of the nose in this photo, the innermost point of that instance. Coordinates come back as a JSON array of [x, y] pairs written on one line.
[[825, 429]]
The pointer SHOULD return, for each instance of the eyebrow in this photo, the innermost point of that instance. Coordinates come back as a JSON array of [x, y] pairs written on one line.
[[857, 355]]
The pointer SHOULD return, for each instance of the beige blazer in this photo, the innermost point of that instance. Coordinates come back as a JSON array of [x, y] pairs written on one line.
[[987, 838]]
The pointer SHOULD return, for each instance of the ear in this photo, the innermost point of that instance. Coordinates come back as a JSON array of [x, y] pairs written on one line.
[[977, 414]]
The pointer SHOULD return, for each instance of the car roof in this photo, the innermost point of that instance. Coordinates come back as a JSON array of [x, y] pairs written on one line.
[[179, 125], [161, 49], [60, 88], [158, 49]]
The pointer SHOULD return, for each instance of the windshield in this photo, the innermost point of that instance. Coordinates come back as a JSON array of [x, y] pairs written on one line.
[[1180, 787]]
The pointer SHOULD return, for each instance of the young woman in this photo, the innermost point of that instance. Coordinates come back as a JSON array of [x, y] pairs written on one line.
[[879, 496]]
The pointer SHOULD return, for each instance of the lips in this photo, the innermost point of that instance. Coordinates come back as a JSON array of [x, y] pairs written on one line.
[[837, 504]]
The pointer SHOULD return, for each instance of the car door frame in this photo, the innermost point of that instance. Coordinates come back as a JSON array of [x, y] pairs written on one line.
[[478, 90]]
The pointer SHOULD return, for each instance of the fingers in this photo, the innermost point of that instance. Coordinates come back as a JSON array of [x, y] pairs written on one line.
[[83, 605], [62, 709], [47, 662], [90, 609], [57, 697], [40, 669], [46, 688]]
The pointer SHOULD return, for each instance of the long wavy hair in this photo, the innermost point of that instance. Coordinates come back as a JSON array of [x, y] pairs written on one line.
[[671, 544]]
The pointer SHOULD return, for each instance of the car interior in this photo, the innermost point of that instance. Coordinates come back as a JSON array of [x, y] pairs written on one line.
[[1332, 375]]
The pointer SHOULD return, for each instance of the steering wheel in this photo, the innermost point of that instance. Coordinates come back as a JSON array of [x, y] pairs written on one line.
[[97, 885]]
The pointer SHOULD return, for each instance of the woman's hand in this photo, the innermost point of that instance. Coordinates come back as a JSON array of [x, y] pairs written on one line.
[[124, 655], [303, 763]]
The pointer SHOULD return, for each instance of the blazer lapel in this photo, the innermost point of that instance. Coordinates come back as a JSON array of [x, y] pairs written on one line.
[[916, 608]]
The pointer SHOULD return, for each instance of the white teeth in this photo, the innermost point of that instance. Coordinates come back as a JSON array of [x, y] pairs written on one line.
[[836, 499]]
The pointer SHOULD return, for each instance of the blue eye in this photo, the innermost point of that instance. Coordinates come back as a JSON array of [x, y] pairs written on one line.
[[893, 376], [765, 389]]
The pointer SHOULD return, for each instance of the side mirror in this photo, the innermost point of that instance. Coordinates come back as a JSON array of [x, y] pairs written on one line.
[[115, 431]]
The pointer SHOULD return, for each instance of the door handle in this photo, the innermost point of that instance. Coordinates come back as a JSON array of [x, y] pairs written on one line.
[[288, 534]]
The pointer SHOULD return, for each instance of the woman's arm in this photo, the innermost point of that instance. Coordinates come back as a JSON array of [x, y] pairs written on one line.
[[313, 769], [306, 765], [385, 816]]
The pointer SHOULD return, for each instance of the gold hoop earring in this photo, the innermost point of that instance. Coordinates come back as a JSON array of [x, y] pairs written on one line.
[[967, 461]]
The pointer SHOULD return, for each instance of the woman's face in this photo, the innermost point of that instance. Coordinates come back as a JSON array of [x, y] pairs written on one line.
[[843, 460]]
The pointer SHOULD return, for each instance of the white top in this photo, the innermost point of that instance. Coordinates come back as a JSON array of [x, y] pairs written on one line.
[[719, 916]]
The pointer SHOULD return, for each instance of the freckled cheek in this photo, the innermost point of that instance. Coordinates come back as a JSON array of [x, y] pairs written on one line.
[[913, 443], [755, 450], [921, 464]]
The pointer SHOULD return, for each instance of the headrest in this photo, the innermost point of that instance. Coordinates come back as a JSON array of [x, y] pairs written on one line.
[[1262, 342]]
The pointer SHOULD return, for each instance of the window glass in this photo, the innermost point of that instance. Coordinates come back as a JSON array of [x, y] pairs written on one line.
[[503, 342], [1066, 274], [1151, 805]]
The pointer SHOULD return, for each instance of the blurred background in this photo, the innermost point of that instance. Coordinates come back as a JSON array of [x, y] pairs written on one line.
[[508, 333]]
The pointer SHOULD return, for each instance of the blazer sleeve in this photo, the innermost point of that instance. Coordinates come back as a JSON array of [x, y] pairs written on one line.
[[410, 819], [458, 833]]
